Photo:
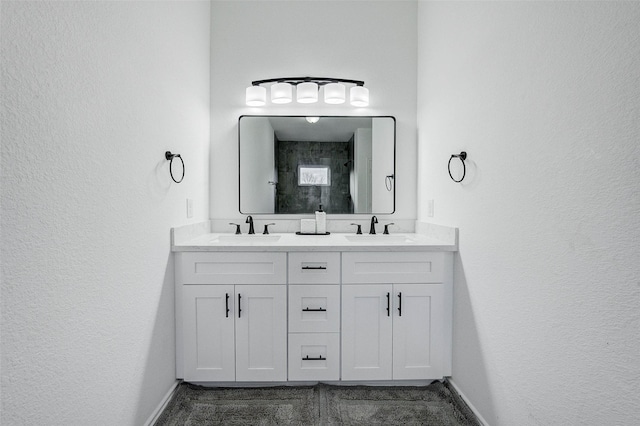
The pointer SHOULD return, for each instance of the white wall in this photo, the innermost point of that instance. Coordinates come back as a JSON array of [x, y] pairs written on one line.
[[259, 150], [93, 94], [545, 98], [362, 168], [370, 41], [381, 130]]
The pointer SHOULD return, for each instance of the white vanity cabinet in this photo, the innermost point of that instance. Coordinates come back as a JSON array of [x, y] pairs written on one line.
[[395, 320], [313, 315], [234, 321]]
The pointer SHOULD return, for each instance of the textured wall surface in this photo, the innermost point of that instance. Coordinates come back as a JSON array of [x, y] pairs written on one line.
[[93, 93], [545, 98], [374, 41]]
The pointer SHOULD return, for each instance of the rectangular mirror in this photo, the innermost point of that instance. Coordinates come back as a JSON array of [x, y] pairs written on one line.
[[292, 164]]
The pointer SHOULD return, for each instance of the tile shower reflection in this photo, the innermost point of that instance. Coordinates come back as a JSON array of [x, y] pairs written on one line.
[[289, 165]]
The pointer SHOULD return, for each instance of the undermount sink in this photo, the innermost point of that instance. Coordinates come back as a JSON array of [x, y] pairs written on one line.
[[379, 239], [246, 238]]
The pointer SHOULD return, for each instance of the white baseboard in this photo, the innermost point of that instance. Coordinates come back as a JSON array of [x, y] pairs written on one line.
[[466, 400], [163, 404]]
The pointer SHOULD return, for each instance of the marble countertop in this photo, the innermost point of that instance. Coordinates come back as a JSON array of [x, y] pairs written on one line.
[[332, 242]]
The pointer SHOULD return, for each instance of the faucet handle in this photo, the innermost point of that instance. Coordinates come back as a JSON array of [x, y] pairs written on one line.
[[237, 227], [386, 228], [266, 228], [359, 231]]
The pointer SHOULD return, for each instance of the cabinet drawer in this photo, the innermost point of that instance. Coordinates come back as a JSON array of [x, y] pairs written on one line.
[[314, 356], [314, 308], [231, 268], [314, 268], [395, 267]]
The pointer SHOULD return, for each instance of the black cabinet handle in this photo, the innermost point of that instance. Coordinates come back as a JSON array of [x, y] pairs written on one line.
[[388, 304], [239, 305], [314, 267], [314, 310], [400, 303], [227, 304], [320, 358]]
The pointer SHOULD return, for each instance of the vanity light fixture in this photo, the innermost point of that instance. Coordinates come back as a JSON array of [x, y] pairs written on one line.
[[281, 93], [334, 93], [256, 96], [312, 120], [307, 92], [307, 89], [359, 96]]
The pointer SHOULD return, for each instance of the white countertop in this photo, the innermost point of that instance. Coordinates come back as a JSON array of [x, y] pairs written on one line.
[[332, 242]]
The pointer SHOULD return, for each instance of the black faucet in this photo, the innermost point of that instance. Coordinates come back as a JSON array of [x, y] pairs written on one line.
[[372, 230], [250, 222]]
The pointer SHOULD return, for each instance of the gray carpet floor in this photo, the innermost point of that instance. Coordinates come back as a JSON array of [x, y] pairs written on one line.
[[321, 405]]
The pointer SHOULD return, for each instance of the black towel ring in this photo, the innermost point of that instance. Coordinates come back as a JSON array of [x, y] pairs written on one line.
[[169, 156], [462, 156]]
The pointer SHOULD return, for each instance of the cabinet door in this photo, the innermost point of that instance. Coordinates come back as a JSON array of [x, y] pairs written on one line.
[[417, 331], [366, 332], [208, 333], [261, 333]]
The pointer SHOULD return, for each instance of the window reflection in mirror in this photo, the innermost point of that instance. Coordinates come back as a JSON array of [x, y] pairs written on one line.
[[314, 176], [289, 165]]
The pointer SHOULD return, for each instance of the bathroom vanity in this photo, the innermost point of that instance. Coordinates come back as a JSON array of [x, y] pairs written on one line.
[[339, 308]]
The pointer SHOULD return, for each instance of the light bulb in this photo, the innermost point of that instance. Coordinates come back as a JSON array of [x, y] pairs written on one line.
[[359, 96], [307, 93], [334, 93], [256, 96], [281, 93]]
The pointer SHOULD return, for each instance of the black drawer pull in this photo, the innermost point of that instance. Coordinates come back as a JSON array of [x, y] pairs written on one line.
[[388, 304], [399, 303], [239, 305], [314, 310], [227, 304], [320, 358], [314, 267]]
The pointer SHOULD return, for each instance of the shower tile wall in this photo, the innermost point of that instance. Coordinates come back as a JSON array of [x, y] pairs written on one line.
[[294, 199]]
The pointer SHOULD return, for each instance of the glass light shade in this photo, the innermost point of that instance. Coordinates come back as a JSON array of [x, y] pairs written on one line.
[[359, 96], [334, 93], [307, 93], [281, 93], [313, 119], [256, 96]]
